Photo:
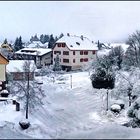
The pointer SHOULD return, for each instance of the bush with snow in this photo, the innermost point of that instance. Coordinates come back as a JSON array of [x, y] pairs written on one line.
[[24, 124], [115, 108], [134, 113], [102, 79]]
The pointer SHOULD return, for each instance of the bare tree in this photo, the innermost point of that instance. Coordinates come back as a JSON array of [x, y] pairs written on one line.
[[132, 56], [28, 90]]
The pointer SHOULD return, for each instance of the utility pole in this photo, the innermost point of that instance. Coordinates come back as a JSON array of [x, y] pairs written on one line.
[[107, 101], [27, 96], [71, 80]]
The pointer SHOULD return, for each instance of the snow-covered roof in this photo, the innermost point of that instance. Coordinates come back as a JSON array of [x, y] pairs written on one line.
[[37, 44], [77, 43], [34, 51], [17, 65]]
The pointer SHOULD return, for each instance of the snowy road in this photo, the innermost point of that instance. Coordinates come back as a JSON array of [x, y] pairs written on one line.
[[70, 109]]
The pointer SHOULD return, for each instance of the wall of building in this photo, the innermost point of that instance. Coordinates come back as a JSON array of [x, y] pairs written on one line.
[[2, 72]]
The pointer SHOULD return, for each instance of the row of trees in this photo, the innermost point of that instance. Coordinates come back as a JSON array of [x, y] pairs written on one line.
[[46, 38], [19, 44]]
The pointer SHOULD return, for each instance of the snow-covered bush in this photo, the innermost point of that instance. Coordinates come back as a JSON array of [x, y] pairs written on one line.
[[102, 79], [46, 70], [4, 93], [24, 124], [134, 113], [115, 108]]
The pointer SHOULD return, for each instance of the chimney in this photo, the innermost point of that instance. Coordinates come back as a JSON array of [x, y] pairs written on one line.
[[68, 34], [92, 41], [82, 37]]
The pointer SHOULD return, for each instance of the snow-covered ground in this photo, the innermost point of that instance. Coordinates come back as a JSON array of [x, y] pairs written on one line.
[[76, 111]]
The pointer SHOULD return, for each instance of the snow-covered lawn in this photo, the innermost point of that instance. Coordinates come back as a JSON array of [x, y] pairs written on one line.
[[76, 112]]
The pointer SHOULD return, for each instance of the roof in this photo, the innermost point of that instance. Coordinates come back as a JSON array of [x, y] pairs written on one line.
[[34, 51], [37, 44], [17, 65], [6, 45], [76, 43]]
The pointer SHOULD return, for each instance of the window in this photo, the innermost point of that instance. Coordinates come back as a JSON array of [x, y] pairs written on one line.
[[60, 60], [86, 59], [66, 60], [81, 52], [73, 60], [63, 45], [55, 52], [81, 60], [73, 52], [85, 52], [65, 53], [93, 52], [59, 45]]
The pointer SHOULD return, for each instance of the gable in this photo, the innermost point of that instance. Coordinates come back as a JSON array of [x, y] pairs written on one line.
[[3, 60]]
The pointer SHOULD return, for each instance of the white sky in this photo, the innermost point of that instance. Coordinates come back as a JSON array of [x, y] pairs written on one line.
[[106, 21]]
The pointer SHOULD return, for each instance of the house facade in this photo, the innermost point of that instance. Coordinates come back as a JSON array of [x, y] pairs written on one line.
[[41, 56], [3, 63], [74, 52]]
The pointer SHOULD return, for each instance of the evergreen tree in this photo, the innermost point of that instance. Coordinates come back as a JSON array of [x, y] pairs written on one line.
[[18, 44], [42, 38], [51, 42], [57, 66], [34, 38], [99, 45], [5, 41], [61, 35]]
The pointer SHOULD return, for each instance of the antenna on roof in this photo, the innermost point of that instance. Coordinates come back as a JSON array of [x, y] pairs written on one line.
[[68, 34], [82, 38]]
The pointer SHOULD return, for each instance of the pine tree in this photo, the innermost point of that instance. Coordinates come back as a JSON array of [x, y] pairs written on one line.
[[5, 41], [51, 42], [20, 43], [61, 35], [57, 66], [16, 46], [42, 38]]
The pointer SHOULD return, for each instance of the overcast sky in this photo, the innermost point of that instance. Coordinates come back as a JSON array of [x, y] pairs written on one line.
[[103, 20]]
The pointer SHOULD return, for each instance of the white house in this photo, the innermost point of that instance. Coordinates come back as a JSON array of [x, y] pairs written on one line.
[[74, 51], [41, 56]]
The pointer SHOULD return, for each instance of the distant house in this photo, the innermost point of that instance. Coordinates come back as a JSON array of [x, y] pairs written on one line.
[[3, 63], [16, 72], [6, 49], [74, 51], [37, 44], [41, 56]]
